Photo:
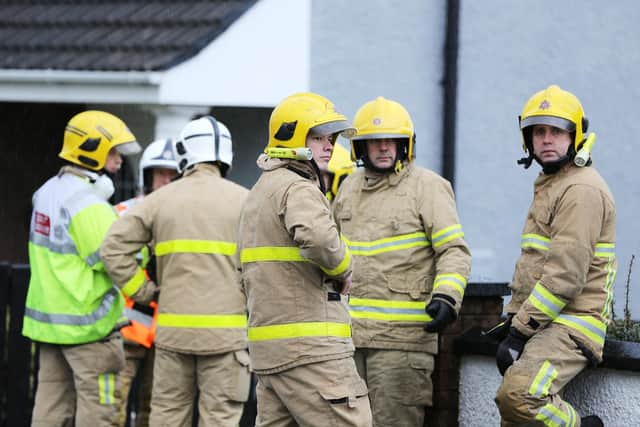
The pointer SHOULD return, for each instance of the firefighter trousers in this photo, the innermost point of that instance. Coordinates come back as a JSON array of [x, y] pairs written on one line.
[[399, 383], [530, 389], [320, 394], [79, 382], [221, 382]]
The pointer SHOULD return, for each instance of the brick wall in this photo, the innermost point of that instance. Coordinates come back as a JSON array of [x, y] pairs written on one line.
[[482, 306]]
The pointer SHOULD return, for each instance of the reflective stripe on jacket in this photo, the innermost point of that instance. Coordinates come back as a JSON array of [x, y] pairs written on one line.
[[193, 222], [71, 299], [407, 243], [567, 266], [290, 250]]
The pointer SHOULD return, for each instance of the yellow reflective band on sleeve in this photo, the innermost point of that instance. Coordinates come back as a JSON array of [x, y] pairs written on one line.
[[446, 235], [551, 416], [132, 286], [195, 246], [589, 326], [299, 330], [271, 253], [388, 244], [545, 301], [608, 287], [543, 380], [452, 280], [536, 241], [342, 267], [107, 386], [210, 321], [605, 250], [388, 310]]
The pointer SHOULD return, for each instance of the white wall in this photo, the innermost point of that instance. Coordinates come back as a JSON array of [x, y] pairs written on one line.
[[611, 394], [362, 49], [508, 51]]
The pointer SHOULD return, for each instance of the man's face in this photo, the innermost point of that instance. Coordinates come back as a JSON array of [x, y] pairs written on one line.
[[550, 143], [113, 162], [161, 177], [382, 152], [321, 147]]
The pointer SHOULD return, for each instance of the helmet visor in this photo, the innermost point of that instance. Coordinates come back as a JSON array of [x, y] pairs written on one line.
[[128, 148], [342, 127], [554, 121]]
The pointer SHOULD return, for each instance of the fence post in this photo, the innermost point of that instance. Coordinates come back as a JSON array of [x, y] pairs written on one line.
[[19, 398]]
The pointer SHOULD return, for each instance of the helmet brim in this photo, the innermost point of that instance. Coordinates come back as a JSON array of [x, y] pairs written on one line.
[[341, 127], [129, 148], [380, 136], [554, 121]]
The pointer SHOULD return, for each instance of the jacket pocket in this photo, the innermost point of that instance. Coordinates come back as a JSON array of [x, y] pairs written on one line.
[[416, 286]]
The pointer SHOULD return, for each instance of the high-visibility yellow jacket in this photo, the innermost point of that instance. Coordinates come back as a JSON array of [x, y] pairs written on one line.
[[407, 244], [71, 299], [192, 223], [289, 250], [567, 267]]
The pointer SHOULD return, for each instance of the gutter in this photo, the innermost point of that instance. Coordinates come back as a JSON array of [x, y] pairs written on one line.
[[450, 83], [50, 76]]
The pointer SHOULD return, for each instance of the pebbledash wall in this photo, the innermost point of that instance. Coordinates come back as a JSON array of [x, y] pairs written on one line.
[[507, 50]]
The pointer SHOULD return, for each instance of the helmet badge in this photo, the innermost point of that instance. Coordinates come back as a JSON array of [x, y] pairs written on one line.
[[544, 105], [377, 121], [167, 155]]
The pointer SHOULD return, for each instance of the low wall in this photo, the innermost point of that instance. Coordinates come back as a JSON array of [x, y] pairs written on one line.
[[612, 390]]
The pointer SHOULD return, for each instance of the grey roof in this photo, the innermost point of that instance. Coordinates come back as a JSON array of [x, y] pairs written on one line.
[[110, 35]]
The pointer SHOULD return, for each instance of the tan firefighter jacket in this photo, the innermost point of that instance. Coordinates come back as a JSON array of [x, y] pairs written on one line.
[[192, 223], [407, 244], [289, 250], [566, 270]]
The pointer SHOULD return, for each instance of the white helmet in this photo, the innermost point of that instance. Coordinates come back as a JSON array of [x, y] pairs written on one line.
[[204, 140], [159, 154]]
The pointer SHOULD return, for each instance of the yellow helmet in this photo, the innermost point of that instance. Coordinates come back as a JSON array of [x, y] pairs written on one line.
[[298, 114], [90, 135], [556, 107], [340, 166], [381, 119]]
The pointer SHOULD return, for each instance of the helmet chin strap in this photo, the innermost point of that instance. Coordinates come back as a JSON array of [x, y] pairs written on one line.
[[549, 168]]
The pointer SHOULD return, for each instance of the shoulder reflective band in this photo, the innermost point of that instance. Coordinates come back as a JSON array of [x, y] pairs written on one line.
[[450, 280], [535, 241], [545, 301], [75, 319], [591, 327], [551, 416], [209, 321], [392, 311], [66, 247], [605, 250], [195, 246], [446, 235], [299, 330], [132, 286], [543, 380], [107, 385], [387, 244], [288, 254]]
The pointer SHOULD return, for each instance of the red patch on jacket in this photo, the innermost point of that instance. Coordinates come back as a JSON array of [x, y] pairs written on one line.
[[43, 224]]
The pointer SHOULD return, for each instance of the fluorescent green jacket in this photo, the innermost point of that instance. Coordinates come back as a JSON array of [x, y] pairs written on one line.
[[71, 299]]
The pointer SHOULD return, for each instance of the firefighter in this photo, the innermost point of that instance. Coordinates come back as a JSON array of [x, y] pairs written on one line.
[[411, 262], [72, 310], [296, 273], [157, 168], [562, 287], [202, 322], [339, 167]]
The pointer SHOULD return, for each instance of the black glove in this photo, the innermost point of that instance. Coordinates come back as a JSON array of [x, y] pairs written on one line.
[[510, 349], [442, 314], [500, 331]]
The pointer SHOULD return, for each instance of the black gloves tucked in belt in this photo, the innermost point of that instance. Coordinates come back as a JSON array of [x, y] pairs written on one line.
[[510, 349], [441, 311]]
